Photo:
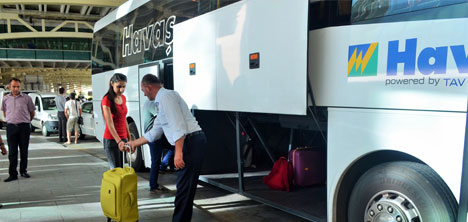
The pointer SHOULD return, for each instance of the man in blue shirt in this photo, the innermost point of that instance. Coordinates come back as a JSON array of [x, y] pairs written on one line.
[[182, 130], [62, 123]]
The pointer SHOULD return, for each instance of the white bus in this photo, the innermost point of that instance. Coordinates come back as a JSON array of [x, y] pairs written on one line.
[[379, 86]]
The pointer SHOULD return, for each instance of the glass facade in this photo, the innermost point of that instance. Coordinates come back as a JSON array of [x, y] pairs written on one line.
[[44, 48]]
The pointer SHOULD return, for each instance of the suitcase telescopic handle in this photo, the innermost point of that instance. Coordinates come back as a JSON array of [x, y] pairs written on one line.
[[125, 154]]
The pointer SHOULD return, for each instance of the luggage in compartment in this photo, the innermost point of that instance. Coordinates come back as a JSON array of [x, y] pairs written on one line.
[[119, 194], [309, 166]]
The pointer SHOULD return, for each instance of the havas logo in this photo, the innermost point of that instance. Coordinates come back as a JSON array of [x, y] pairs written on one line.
[[155, 35], [362, 60], [429, 61]]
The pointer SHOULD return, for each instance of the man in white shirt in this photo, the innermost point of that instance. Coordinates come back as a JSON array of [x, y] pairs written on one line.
[[72, 112], [182, 130]]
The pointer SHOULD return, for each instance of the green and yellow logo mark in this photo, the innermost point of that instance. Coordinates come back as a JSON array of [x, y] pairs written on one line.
[[362, 60]]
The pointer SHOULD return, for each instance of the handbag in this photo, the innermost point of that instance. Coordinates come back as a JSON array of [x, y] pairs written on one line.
[[80, 119], [281, 175]]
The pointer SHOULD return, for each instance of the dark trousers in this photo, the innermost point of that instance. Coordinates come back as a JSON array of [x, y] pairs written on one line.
[[114, 155], [62, 125], [187, 178], [18, 135]]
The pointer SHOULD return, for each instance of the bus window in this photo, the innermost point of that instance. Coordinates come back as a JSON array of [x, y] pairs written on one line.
[[376, 11]]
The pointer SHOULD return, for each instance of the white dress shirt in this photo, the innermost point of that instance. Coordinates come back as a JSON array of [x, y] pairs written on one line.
[[174, 118]]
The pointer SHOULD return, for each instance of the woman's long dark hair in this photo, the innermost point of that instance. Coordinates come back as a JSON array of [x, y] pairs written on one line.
[[117, 77]]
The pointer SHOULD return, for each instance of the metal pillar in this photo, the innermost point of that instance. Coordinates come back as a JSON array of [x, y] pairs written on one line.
[[260, 138], [240, 159]]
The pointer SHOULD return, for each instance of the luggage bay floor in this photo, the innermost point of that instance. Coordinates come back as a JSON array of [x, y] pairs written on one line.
[[65, 185]]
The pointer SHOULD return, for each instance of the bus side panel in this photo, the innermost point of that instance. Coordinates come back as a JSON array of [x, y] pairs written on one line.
[[436, 138], [415, 65], [194, 45], [278, 34]]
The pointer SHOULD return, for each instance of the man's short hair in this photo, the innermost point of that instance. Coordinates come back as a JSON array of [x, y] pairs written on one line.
[[15, 79], [150, 79], [72, 95], [61, 90]]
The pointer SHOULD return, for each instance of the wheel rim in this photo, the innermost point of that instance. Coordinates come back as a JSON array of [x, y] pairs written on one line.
[[391, 206]]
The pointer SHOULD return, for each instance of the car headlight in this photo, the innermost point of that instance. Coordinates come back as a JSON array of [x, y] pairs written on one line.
[[52, 117]]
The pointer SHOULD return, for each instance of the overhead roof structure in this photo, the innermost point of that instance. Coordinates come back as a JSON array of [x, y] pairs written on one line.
[[50, 19]]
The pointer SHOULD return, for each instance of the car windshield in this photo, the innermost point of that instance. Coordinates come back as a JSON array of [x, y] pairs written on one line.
[[48, 103]]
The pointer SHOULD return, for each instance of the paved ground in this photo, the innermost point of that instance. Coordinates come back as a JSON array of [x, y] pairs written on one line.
[[65, 184]]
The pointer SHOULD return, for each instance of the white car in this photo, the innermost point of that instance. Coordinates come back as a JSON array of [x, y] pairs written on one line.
[[46, 113], [88, 126]]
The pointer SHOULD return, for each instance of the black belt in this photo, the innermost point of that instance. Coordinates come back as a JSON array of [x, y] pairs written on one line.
[[18, 124], [194, 134]]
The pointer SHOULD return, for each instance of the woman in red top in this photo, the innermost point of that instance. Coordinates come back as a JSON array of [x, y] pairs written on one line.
[[114, 109]]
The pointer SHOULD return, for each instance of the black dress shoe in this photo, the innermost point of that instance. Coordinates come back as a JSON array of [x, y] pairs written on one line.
[[10, 178], [25, 175]]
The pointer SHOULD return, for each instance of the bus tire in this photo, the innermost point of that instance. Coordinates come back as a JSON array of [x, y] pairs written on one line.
[[137, 157], [400, 189]]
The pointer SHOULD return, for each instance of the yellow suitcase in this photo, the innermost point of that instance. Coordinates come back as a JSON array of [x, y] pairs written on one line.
[[119, 200]]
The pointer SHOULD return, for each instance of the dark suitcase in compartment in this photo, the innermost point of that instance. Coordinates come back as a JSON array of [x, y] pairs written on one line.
[[309, 166]]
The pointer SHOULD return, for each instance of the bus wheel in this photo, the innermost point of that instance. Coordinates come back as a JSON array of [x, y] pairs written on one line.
[[136, 158], [403, 192]]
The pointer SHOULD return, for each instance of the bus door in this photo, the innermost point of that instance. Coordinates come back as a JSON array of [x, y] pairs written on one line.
[[145, 118]]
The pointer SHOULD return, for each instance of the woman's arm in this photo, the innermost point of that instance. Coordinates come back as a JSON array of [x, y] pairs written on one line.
[[66, 112]]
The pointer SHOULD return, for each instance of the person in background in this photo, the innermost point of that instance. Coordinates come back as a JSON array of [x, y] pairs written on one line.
[[18, 109], [62, 119], [182, 130], [72, 111], [4, 152], [114, 109], [148, 115]]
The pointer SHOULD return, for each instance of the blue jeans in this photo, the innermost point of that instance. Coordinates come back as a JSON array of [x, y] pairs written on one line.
[[167, 159], [155, 150]]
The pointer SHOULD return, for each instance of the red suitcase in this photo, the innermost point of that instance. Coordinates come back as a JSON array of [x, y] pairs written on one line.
[[309, 166]]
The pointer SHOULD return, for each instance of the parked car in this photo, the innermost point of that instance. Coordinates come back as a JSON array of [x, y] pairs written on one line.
[[46, 113], [88, 126]]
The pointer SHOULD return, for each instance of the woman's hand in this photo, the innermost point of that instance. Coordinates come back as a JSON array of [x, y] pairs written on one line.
[[122, 146]]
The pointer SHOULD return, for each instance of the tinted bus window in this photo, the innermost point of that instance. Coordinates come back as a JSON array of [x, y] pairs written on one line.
[[145, 34], [373, 11]]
